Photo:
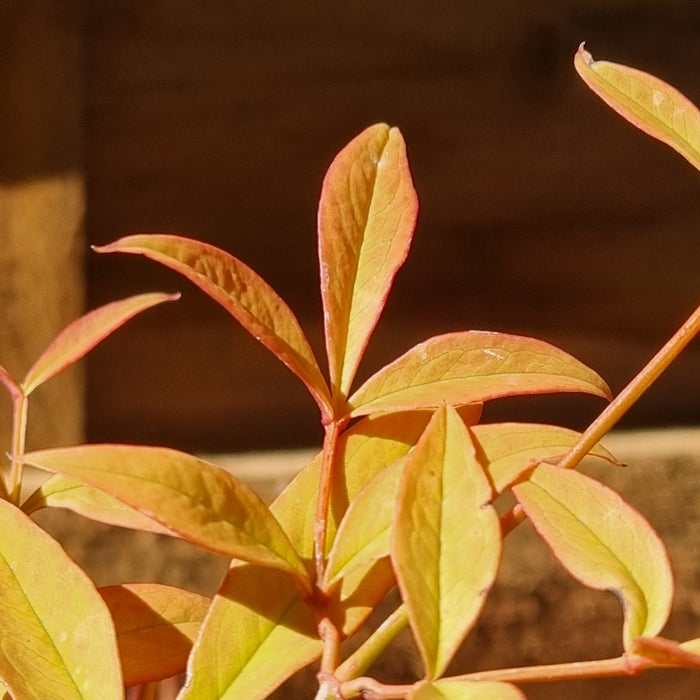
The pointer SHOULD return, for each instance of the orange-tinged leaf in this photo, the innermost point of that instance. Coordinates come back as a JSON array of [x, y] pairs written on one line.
[[453, 689], [603, 542], [83, 334], [692, 645], [257, 633], [10, 384], [364, 534], [646, 101], [446, 543], [156, 626], [198, 500], [58, 640], [472, 367], [666, 652], [242, 292], [63, 492], [509, 449], [366, 218]]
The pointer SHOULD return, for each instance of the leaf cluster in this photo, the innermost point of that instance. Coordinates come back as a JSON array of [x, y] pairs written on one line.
[[402, 494]]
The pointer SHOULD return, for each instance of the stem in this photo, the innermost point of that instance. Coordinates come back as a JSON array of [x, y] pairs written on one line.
[[629, 395], [371, 688], [330, 442], [366, 654], [20, 405]]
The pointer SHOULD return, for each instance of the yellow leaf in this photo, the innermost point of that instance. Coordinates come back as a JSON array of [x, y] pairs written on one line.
[[450, 689]]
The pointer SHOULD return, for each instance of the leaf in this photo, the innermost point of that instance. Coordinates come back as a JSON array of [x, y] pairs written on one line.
[[199, 501], [12, 387], [257, 633], [452, 689], [472, 367], [603, 542], [62, 492], [83, 334], [364, 534], [366, 218], [242, 292], [156, 626], [647, 102], [446, 543], [509, 449], [665, 652], [58, 640]]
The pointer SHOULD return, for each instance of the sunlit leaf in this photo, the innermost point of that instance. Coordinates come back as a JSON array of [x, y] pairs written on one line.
[[242, 292], [692, 645], [257, 633], [446, 542], [200, 501], [603, 542], [452, 689], [472, 367], [509, 449], [366, 218], [666, 652], [83, 334], [647, 102], [63, 492], [58, 640], [156, 626], [365, 531]]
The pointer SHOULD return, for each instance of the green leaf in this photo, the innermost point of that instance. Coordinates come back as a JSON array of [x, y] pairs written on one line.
[[603, 542], [156, 626], [364, 534], [200, 501], [647, 102], [83, 334], [452, 689], [257, 633], [472, 367], [242, 292], [58, 640], [446, 542], [63, 492], [509, 449], [366, 218]]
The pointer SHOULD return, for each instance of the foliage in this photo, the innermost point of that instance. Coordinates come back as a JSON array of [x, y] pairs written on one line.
[[401, 494]]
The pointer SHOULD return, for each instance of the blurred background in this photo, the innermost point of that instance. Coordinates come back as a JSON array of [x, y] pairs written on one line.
[[541, 211]]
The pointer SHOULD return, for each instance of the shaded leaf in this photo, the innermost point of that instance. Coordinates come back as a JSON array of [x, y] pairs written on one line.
[[200, 501], [452, 689], [242, 292], [446, 542], [603, 542], [666, 652], [509, 449], [156, 626], [257, 633], [58, 640], [647, 102], [366, 218], [83, 334], [63, 492], [472, 367]]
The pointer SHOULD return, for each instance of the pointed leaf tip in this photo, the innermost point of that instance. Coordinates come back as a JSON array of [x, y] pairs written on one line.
[[366, 219]]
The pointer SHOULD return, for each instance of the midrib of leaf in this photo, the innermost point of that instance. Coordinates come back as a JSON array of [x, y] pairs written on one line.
[[37, 617]]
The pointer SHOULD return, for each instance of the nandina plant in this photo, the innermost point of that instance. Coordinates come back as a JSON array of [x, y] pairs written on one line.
[[401, 494]]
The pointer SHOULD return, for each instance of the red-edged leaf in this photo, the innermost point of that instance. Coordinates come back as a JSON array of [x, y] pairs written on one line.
[[62, 492], [509, 449], [666, 652], [647, 102], [366, 218], [156, 626], [472, 367], [10, 384], [58, 640], [603, 542], [257, 633], [446, 542], [242, 292], [83, 334], [200, 501], [455, 689]]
